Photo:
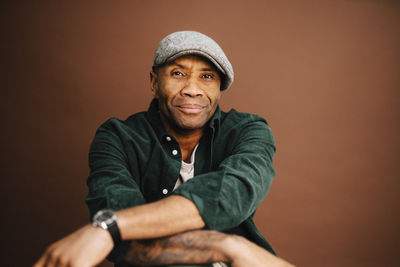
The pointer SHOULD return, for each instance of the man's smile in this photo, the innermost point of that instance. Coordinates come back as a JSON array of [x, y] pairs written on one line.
[[190, 108]]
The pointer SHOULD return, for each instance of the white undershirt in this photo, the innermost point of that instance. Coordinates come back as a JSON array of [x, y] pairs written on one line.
[[187, 170]]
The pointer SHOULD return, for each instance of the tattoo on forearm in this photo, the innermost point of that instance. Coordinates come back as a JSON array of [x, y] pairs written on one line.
[[189, 247]]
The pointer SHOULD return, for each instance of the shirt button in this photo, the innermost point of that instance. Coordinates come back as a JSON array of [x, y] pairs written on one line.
[[165, 191], [168, 138], [174, 152]]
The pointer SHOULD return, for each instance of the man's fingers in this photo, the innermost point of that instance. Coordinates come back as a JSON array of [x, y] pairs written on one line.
[[49, 259], [45, 261], [41, 262]]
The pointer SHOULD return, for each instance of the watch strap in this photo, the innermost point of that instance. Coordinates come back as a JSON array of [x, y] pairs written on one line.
[[114, 232]]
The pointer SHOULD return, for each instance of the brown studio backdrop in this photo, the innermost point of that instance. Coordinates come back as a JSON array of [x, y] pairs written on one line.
[[324, 73]]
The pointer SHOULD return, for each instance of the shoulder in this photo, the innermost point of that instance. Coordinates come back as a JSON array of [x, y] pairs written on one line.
[[233, 117], [235, 120], [134, 125], [116, 124], [239, 124]]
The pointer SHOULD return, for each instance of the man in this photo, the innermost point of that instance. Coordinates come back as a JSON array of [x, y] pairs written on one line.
[[177, 184]]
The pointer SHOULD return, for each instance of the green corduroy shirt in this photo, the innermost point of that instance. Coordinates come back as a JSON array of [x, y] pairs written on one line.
[[136, 161]]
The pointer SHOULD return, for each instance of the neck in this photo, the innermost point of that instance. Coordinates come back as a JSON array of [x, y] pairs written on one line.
[[187, 143], [187, 139]]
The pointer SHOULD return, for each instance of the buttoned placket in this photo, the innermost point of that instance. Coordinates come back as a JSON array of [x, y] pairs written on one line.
[[173, 145], [173, 148]]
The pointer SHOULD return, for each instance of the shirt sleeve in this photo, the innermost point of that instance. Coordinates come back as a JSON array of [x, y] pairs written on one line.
[[111, 184], [229, 195]]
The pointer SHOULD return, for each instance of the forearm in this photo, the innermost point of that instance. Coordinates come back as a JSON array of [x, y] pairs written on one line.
[[169, 216], [195, 247], [201, 247]]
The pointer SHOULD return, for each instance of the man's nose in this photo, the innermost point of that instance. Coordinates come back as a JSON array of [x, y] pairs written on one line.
[[192, 88]]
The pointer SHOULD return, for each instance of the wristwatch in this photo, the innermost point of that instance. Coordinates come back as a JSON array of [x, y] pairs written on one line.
[[107, 219]]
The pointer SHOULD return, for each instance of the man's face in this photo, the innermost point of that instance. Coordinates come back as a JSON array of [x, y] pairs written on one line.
[[188, 90]]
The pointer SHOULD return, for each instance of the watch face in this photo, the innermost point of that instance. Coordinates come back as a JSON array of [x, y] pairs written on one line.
[[104, 216]]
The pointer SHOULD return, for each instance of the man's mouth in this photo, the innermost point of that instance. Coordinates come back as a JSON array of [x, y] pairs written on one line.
[[190, 108]]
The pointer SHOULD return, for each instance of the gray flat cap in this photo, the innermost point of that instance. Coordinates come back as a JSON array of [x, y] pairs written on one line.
[[182, 43]]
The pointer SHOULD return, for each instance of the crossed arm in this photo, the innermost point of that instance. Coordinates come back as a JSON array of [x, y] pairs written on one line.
[[170, 229]]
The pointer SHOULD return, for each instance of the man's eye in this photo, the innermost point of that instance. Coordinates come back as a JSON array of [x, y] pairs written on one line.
[[208, 76], [177, 73]]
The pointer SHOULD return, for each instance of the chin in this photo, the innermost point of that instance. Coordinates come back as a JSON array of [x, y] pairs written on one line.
[[190, 125], [191, 122]]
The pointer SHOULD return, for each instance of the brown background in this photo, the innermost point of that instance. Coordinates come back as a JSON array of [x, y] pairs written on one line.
[[324, 73]]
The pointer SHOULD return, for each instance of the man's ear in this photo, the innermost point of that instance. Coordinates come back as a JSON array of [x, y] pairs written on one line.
[[154, 84]]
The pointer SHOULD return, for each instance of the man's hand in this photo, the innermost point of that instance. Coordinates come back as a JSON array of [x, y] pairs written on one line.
[[85, 247], [90, 245]]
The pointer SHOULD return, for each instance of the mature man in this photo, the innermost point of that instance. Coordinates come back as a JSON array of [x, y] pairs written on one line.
[[177, 184]]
